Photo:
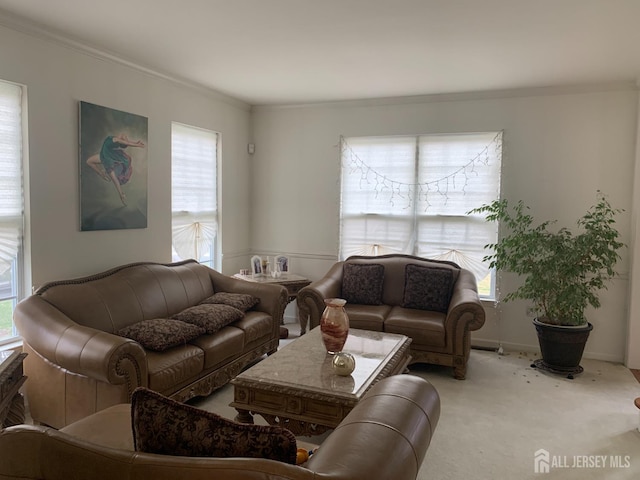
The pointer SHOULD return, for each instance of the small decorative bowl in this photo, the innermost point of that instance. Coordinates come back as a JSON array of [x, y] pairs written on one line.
[[343, 363]]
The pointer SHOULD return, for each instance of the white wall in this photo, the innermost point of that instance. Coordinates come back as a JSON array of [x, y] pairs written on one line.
[[633, 338], [57, 77], [560, 146]]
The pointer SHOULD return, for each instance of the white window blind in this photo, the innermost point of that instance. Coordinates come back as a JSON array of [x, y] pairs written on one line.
[[11, 197], [11, 206], [411, 194], [194, 203]]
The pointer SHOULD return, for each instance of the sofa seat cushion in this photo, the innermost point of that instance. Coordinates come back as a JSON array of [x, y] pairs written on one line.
[[367, 317], [241, 301], [256, 325], [211, 317], [362, 283], [174, 366], [224, 345], [159, 334], [424, 327], [166, 427]]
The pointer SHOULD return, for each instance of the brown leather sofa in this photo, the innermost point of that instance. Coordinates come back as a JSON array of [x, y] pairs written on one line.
[[438, 337], [77, 365], [386, 436]]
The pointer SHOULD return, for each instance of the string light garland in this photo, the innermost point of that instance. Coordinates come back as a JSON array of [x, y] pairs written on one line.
[[422, 191]]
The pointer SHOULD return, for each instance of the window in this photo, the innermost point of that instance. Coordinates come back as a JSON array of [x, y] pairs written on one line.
[[11, 206], [411, 194], [194, 197]]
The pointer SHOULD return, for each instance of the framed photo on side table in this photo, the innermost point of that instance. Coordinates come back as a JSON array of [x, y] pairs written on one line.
[[282, 263], [256, 265]]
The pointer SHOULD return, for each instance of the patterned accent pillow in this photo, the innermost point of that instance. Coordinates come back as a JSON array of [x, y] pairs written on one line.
[[241, 301], [362, 283], [428, 288], [161, 333], [163, 426], [210, 317]]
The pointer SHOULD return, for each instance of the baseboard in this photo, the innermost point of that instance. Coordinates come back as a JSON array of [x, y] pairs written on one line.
[[487, 344]]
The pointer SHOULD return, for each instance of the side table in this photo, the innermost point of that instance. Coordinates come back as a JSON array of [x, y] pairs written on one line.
[[292, 282], [11, 379]]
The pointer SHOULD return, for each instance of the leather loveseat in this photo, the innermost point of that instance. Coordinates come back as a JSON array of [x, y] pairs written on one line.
[[77, 364], [386, 436], [433, 302]]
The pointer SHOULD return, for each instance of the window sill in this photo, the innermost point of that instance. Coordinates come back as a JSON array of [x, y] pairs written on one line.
[[11, 345], [489, 300]]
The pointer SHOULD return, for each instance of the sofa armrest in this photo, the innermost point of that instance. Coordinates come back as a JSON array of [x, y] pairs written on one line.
[[87, 351], [39, 452], [465, 308], [311, 298], [386, 435]]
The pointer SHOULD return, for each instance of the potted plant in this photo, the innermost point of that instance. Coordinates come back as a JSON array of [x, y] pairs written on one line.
[[563, 273]]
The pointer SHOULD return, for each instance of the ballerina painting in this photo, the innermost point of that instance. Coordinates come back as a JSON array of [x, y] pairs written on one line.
[[113, 169], [113, 163]]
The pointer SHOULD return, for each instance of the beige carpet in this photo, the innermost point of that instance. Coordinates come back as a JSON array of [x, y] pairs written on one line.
[[493, 422]]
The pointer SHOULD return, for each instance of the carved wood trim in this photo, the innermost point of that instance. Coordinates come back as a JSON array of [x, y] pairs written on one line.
[[305, 412], [298, 427]]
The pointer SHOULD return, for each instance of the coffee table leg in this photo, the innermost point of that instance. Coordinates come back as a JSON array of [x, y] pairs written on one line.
[[244, 416], [15, 414]]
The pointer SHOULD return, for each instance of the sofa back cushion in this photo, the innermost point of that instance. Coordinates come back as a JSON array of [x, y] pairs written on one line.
[[211, 317], [427, 288], [129, 294], [159, 334], [394, 273], [362, 283], [166, 427], [241, 301]]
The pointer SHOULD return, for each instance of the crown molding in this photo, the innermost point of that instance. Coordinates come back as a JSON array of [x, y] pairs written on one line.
[[62, 39], [632, 85]]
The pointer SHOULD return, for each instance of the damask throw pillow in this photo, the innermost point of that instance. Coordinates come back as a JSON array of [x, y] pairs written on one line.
[[167, 427], [362, 283], [211, 317], [241, 301], [428, 288], [159, 334]]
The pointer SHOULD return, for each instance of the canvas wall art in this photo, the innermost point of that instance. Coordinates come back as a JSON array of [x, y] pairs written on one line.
[[113, 169]]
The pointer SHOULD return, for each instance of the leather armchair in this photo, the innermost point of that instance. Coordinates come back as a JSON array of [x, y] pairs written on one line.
[[386, 436]]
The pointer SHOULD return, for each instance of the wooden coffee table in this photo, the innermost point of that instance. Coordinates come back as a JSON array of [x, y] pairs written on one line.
[[297, 388], [12, 411]]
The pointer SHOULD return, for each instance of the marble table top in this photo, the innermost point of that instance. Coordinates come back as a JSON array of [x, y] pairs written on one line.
[[305, 365]]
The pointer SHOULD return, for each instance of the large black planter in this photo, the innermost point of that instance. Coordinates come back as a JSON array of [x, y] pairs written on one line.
[[561, 347]]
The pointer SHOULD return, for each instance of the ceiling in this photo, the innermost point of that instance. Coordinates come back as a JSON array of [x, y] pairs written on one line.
[[301, 51]]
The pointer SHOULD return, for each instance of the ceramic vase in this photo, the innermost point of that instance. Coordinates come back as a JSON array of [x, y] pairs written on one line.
[[334, 325]]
